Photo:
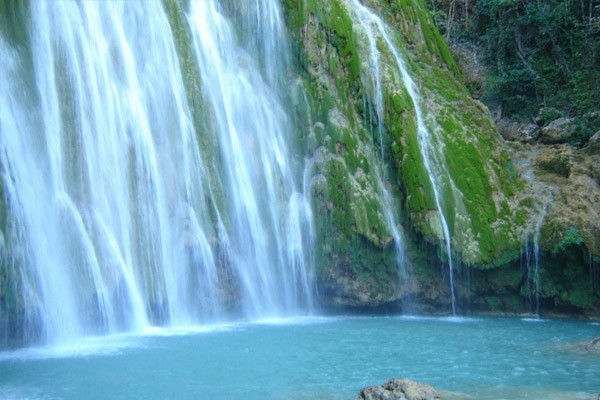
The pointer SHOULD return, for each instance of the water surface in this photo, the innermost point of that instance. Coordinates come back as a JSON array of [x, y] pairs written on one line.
[[313, 358]]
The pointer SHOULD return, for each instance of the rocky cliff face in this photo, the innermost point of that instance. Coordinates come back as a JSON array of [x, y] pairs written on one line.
[[560, 200], [495, 197]]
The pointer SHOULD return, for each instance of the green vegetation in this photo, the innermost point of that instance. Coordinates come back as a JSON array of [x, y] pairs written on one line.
[[477, 191], [351, 231], [538, 53]]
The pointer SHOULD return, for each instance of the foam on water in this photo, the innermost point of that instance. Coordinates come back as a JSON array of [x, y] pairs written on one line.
[[533, 319], [93, 346], [453, 319], [301, 320], [182, 330]]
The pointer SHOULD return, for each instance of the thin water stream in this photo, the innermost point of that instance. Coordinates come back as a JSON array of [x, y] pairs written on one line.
[[375, 28]]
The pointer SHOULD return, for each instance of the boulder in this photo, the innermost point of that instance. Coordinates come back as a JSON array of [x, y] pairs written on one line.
[[558, 131], [547, 115], [555, 163], [518, 131], [593, 145], [400, 389]]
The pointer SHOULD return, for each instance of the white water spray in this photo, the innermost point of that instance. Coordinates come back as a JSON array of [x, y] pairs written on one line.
[[115, 216], [271, 217]]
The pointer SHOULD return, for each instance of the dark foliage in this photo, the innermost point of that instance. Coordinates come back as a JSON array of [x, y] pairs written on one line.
[[539, 53]]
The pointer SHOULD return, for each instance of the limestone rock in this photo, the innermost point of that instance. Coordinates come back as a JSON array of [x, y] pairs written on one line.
[[518, 131], [558, 131], [547, 115], [473, 70], [400, 389], [572, 175], [559, 164], [593, 145]]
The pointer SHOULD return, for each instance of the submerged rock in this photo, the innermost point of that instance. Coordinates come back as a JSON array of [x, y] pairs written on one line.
[[587, 347], [594, 347], [399, 389]]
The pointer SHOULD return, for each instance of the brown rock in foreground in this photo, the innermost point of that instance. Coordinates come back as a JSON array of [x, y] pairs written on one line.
[[400, 389]]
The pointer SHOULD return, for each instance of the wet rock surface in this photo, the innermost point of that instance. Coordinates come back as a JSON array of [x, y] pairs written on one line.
[[400, 389]]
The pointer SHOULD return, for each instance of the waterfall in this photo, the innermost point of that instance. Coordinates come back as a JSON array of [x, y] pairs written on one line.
[[532, 254], [593, 272], [536, 250], [375, 27], [118, 221], [268, 211], [526, 271]]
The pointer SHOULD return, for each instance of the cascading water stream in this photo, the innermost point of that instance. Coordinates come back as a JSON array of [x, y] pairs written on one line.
[[374, 27], [115, 221], [532, 256], [593, 272], [253, 124], [536, 250]]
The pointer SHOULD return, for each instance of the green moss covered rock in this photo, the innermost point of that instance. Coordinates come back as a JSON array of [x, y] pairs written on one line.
[[489, 203]]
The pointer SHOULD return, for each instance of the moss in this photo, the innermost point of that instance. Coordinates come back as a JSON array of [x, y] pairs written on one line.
[[470, 177], [480, 175], [527, 202], [506, 257], [570, 237], [559, 165], [371, 263], [295, 14], [351, 210], [508, 176], [521, 217], [333, 18], [471, 144], [415, 185], [436, 43], [343, 40]]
